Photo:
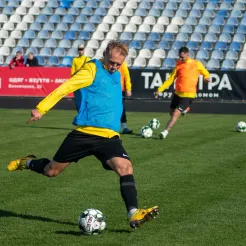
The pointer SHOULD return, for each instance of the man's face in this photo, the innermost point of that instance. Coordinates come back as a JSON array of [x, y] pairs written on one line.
[[184, 56], [30, 56], [113, 60], [18, 55], [81, 51]]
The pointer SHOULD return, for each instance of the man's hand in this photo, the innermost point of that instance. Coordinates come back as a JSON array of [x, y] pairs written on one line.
[[207, 80], [128, 93], [35, 115], [156, 93]]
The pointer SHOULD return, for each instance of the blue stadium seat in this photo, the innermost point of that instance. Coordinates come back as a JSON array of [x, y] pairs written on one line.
[[233, 21], [169, 63], [191, 21], [183, 37], [47, 11], [200, 29], [243, 21], [209, 13], [223, 13], [168, 36], [202, 54], [105, 4], [3, 3], [149, 44], [55, 19], [158, 5], [126, 36], [241, 29], [65, 4], [85, 35], [221, 46], [177, 45], [217, 54], [172, 5], [186, 29], [67, 61], [37, 43], [205, 21], [181, 13], [41, 61], [236, 46], [134, 44], [172, 53], [87, 11], [239, 37], [225, 37], [226, 6], [141, 12], [16, 49], [80, 4], [45, 52], [228, 29], [64, 43], [154, 12], [213, 6], [165, 45], [141, 36], [57, 35], [29, 34], [70, 35], [154, 36], [168, 12], [192, 45], [69, 19], [43, 34], [210, 37], [195, 13], [199, 5], [49, 27], [101, 11], [53, 61], [42, 19], [185, 6], [220, 21], [33, 50], [206, 46], [76, 27], [232, 55], [51, 43], [60, 11], [62, 27], [89, 27], [35, 26], [60, 52], [52, 3], [92, 4], [196, 37], [82, 19], [96, 19], [213, 64], [13, 3], [236, 13], [8, 11], [24, 42], [228, 65], [73, 11], [214, 29], [144, 5]]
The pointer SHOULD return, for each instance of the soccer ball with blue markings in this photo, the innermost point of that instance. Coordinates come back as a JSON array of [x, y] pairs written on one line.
[[92, 222], [241, 126], [154, 123], [146, 132]]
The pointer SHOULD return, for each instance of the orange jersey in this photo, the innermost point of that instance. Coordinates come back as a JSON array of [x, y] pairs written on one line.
[[187, 74]]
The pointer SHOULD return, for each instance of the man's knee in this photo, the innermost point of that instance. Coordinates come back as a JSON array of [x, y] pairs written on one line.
[[121, 166]]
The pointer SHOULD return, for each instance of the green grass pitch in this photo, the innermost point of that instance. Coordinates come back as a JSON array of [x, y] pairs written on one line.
[[197, 176]]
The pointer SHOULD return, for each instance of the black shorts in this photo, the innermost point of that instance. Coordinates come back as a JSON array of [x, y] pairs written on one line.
[[181, 103], [78, 145]]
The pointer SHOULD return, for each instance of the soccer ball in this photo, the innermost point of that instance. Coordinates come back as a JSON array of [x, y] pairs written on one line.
[[241, 126], [154, 123], [146, 132], [92, 222]]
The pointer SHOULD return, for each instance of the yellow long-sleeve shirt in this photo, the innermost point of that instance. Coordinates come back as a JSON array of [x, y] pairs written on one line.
[[83, 78], [200, 70], [78, 62], [125, 77]]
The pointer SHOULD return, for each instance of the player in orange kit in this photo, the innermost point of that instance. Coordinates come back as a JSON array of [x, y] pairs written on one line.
[[186, 73]]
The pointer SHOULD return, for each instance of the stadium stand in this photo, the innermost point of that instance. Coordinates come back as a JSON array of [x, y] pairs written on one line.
[[214, 31]]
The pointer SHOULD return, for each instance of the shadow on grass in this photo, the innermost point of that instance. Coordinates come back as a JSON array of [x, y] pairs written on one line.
[[78, 233], [4, 213], [45, 127]]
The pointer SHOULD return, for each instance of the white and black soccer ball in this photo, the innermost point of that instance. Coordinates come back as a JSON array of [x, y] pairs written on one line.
[[154, 123], [92, 222], [146, 132], [241, 126]]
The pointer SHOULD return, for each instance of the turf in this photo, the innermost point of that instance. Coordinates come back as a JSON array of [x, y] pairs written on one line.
[[197, 176]]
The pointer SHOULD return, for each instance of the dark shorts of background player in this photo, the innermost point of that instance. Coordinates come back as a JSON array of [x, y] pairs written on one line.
[[78, 145], [180, 103]]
